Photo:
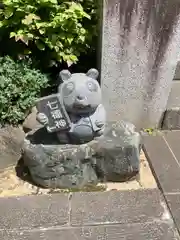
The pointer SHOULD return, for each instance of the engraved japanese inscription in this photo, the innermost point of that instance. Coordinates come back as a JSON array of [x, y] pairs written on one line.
[[56, 117]]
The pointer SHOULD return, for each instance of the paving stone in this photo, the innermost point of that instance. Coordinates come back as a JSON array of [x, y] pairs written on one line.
[[116, 207], [120, 186], [163, 163], [139, 231], [173, 201], [55, 234], [173, 140], [33, 211], [143, 231]]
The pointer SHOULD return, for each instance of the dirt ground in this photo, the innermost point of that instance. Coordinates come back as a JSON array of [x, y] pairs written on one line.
[[11, 185]]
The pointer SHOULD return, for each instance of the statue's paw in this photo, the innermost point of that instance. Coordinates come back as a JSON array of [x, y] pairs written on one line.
[[42, 118], [99, 124], [100, 132]]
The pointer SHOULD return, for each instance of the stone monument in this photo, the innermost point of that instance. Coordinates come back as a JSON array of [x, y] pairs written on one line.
[[75, 146], [140, 49]]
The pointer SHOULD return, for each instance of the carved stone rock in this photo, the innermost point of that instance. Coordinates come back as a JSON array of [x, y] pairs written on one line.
[[111, 157], [11, 141]]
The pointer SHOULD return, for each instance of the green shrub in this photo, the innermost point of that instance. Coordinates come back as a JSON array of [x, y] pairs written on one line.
[[59, 29], [19, 87]]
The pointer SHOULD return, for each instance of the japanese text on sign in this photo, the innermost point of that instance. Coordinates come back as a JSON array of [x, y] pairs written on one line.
[[56, 113]]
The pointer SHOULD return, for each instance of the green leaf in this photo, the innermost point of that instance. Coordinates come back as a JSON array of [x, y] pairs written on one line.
[[39, 25], [12, 34], [69, 63], [42, 31], [69, 40], [30, 36], [56, 48], [27, 51], [59, 29], [29, 19], [73, 58], [40, 45], [22, 38], [8, 13], [20, 85], [82, 38], [53, 1]]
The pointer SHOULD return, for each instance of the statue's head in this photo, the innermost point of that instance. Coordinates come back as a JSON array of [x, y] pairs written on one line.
[[80, 92]]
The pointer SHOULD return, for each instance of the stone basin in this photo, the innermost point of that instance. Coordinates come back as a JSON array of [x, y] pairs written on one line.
[[113, 157]]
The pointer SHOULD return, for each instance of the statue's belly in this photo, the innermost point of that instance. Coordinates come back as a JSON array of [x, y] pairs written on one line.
[[82, 133], [82, 130]]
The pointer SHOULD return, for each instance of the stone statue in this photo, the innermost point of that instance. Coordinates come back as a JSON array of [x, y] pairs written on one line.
[[80, 96], [87, 149]]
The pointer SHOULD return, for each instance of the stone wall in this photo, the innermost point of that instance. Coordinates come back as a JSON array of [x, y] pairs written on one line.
[[140, 49]]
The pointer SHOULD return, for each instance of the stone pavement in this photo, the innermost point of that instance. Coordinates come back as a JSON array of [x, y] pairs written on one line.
[[163, 153], [138, 214], [142, 214]]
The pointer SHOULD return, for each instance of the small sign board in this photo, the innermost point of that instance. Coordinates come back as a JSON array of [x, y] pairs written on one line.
[[55, 112]]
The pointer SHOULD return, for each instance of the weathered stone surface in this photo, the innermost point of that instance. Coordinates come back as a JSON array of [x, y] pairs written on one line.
[[13, 184], [138, 231], [117, 154], [171, 119], [54, 165], [11, 140], [30, 122], [140, 50], [112, 157], [117, 207], [174, 96], [164, 160], [29, 212], [177, 73], [173, 201]]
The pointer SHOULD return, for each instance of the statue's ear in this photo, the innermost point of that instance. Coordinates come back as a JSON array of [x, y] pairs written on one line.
[[64, 75], [93, 73]]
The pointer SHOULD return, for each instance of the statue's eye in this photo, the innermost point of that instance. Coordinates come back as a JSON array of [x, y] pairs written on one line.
[[92, 86], [68, 88]]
